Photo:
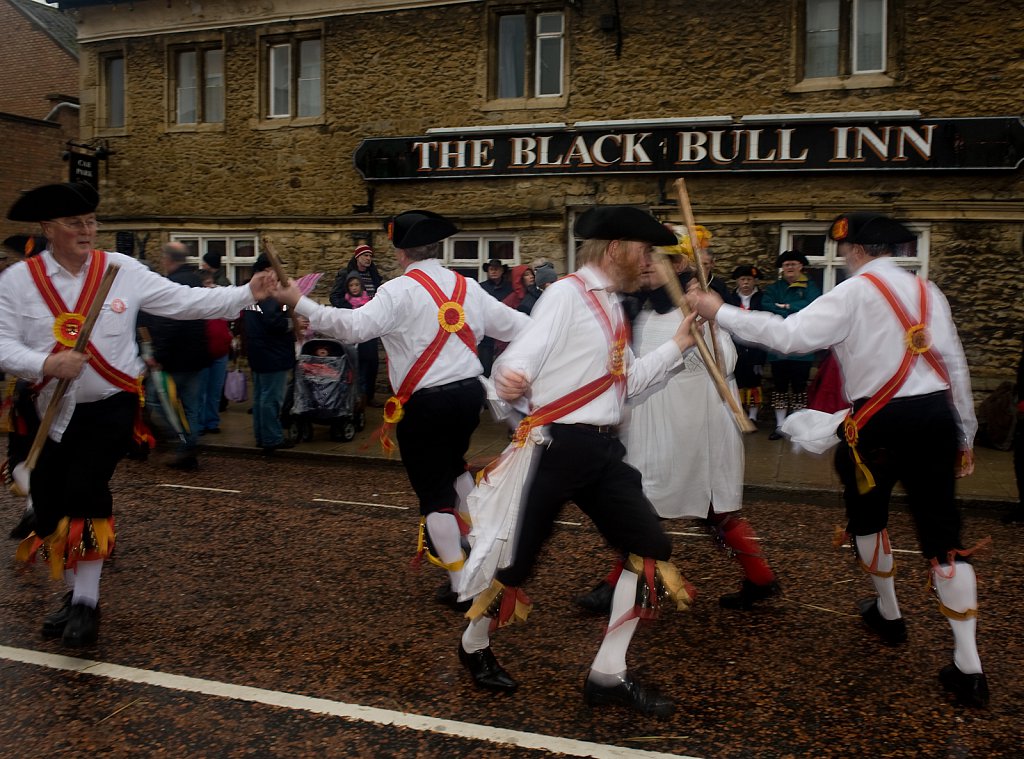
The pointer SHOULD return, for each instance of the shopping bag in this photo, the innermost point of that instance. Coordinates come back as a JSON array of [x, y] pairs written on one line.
[[236, 387]]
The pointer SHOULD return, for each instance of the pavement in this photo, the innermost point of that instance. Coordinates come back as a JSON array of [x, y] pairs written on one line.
[[773, 467]]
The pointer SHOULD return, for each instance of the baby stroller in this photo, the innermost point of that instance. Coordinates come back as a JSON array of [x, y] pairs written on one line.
[[324, 391]]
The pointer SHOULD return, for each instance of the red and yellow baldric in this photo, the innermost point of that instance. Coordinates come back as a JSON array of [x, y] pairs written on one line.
[[618, 337], [918, 344], [68, 323], [451, 319]]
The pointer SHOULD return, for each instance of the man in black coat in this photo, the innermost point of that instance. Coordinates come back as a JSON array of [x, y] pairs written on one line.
[[749, 359]]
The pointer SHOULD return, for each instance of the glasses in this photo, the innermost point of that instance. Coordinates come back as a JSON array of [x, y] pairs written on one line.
[[79, 225]]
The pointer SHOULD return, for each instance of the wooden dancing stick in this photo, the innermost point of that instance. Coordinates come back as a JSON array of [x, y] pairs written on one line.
[[81, 341], [275, 262], [698, 250], [675, 291]]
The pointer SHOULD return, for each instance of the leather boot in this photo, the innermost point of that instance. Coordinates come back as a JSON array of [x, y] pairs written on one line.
[[749, 594], [54, 624], [970, 690], [892, 631], [486, 671], [629, 693], [597, 601]]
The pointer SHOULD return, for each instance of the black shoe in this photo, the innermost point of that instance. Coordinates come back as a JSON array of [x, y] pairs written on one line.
[[749, 594], [628, 693], [24, 527], [1014, 517], [775, 434], [892, 631], [211, 431], [185, 464], [283, 445], [970, 690], [54, 624], [445, 595], [597, 601], [82, 627], [486, 671]]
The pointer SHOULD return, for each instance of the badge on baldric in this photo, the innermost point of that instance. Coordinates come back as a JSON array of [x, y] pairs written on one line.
[[66, 328]]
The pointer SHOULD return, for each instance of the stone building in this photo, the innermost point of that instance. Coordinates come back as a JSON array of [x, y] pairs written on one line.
[[312, 121], [38, 99]]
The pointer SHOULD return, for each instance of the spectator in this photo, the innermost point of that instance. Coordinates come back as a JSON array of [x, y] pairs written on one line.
[[211, 262], [368, 353], [218, 338], [499, 286], [546, 275], [750, 359], [524, 290]]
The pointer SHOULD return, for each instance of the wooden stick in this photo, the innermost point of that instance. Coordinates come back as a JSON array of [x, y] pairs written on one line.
[[62, 386], [698, 251], [675, 291], [275, 262]]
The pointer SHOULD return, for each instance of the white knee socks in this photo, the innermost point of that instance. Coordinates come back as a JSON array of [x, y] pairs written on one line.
[[87, 582], [444, 537], [959, 593], [871, 548], [477, 635], [610, 663]]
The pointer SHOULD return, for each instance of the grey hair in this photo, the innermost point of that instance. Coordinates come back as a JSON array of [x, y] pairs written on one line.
[[423, 252]]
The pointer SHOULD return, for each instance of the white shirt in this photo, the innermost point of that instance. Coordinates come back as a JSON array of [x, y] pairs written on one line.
[[565, 347], [26, 323], [856, 321], [404, 315]]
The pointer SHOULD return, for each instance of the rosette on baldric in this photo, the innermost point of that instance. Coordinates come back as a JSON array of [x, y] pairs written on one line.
[[74, 540], [505, 605]]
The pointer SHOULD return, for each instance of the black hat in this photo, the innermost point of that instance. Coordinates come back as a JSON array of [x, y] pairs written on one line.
[[412, 229], [495, 262], [622, 223], [866, 228], [790, 255], [262, 263], [26, 245], [746, 270], [52, 201], [212, 260]]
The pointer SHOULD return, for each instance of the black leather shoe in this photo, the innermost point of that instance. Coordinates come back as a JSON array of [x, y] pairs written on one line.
[[749, 594], [892, 631], [597, 601], [54, 624], [970, 690], [486, 671], [445, 595], [629, 693], [83, 626], [775, 434], [186, 463]]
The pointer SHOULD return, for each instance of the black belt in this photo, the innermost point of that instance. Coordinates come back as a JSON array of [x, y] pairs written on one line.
[[605, 430], [448, 386], [903, 399]]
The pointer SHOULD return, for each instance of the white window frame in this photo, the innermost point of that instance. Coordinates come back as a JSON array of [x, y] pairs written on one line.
[[531, 54], [294, 82], [232, 264], [849, 68], [831, 264], [203, 90], [855, 67], [483, 251]]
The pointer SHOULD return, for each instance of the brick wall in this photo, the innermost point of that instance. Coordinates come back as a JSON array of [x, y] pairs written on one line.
[[33, 66]]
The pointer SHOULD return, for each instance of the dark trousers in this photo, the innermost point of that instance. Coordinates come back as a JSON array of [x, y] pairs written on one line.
[[790, 376], [586, 467], [912, 441], [433, 438], [72, 477], [369, 360]]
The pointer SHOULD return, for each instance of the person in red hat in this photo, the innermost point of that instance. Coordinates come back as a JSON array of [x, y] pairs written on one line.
[[912, 421], [430, 321], [43, 302]]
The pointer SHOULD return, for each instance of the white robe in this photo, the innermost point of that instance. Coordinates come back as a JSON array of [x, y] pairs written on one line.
[[680, 434]]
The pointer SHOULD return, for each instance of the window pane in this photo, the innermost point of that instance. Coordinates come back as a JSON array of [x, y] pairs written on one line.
[[309, 78], [187, 87], [464, 250], [217, 247], [213, 90], [280, 74], [809, 244], [245, 249], [822, 44], [869, 47], [503, 249], [511, 56], [114, 85], [191, 243], [549, 23], [549, 66]]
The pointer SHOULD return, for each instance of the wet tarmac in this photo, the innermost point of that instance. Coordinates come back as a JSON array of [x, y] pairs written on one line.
[[291, 576]]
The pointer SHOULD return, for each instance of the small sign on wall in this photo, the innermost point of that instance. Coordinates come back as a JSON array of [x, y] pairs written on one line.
[[83, 168]]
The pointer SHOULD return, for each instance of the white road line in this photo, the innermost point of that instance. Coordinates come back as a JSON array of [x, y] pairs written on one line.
[[196, 487], [366, 714], [361, 503], [569, 524]]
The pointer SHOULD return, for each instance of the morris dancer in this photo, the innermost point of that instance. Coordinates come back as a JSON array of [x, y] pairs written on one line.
[[430, 321], [574, 367], [42, 302], [682, 439], [912, 422]]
